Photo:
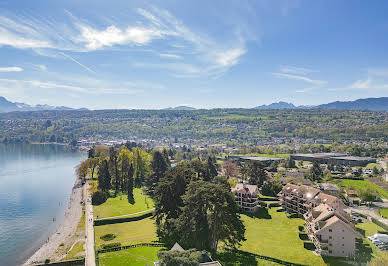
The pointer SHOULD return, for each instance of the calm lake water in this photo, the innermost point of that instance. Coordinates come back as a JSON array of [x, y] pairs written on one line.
[[35, 186]]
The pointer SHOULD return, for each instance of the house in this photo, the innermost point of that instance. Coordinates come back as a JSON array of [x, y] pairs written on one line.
[[331, 231], [301, 199], [246, 196], [329, 188]]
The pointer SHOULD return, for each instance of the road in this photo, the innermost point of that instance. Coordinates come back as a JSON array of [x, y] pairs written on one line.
[[89, 229], [383, 164]]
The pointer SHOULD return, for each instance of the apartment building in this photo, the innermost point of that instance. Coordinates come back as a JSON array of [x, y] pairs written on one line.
[[246, 196], [331, 231], [301, 199]]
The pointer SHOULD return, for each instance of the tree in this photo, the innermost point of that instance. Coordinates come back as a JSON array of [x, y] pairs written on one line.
[[167, 157], [315, 172], [168, 201], [375, 170], [368, 195], [209, 216], [230, 169], [114, 168], [189, 257], [290, 163], [91, 153], [104, 178], [82, 169], [159, 166], [211, 169], [92, 164], [130, 184], [271, 188], [254, 172]]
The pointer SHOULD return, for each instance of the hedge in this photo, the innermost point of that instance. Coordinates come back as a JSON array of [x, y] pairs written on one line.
[[273, 204], [103, 221], [383, 232], [301, 228], [308, 245], [303, 236], [262, 204], [380, 224], [111, 245]]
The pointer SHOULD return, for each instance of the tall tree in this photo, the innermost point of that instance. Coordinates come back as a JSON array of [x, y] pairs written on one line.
[[130, 184], [209, 216], [230, 169], [93, 164], [211, 168], [158, 166], [91, 153], [166, 157], [114, 168], [104, 178], [254, 172]]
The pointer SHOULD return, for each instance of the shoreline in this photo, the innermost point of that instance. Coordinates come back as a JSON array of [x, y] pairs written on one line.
[[65, 230]]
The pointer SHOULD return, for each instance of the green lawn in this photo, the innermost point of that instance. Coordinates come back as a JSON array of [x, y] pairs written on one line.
[[363, 185], [384, 212], [276, 155], [120, 205], [139, 256], [143, 231], [76, 252], [372, 165], [369, 228], [275, 235]]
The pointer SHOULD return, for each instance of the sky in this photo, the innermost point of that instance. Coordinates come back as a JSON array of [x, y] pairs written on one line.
[[134, 54]]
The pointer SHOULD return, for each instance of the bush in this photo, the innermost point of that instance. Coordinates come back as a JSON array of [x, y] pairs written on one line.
[[99, 197], [111, 245], [108, 237], [46, 261], [303, 236], [301, 228], [383, 232], [262, 204], [273, 204], [308, 245], [271, 188]]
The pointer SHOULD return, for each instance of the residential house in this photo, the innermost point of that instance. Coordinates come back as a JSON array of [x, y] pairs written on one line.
[[331, 231], [246, 196]]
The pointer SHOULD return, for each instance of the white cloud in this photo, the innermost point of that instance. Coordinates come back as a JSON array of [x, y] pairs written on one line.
[[11, 69], [173, 56], [296, 70], [229, 57], [297, 77]]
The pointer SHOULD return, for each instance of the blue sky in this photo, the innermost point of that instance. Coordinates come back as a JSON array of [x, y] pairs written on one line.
[[138, 54]]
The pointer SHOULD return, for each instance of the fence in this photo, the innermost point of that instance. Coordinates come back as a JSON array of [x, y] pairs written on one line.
[[66, 263], [130, 246]]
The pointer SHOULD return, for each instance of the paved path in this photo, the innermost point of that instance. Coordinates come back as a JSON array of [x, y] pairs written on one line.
[[90, 259], [371, 212]]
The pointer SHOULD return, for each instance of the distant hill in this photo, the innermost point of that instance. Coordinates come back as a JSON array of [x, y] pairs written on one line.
[[7, 106], [372, 104], [186, 108], [279, 105]]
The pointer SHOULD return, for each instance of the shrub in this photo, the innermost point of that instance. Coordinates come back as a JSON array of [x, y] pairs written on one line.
[[108, 237], [262, 204], [111, 245], [301, 228], [46, 261], [303, 236], [383, 232], [274, 204], [98, 197], [308, 245]]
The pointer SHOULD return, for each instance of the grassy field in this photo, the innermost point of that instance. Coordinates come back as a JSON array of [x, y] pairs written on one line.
[[139, 256], [362, 185], [369, 228], [276, 155], [271, 232], [384, 212], [120, 205], [371, 165], [76, 252], [143, 231]]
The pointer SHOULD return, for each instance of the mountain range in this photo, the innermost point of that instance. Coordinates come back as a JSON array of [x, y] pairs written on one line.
[[371, 104], [7, 106]]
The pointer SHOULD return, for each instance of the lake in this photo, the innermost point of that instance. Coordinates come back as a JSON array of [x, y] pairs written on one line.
[[35, 186]]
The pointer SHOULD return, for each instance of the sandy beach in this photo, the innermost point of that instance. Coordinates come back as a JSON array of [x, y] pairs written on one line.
[[65, 230]]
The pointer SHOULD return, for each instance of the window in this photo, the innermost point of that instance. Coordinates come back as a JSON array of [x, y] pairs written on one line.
[[330, 245], [330, 230], [330, 251], [330, 237], [343, 245], [343, 237], [343, 230]]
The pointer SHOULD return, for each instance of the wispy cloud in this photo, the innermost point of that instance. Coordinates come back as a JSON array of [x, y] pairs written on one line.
[[296, 70], [11, 69], [49, 37], [297, 77]]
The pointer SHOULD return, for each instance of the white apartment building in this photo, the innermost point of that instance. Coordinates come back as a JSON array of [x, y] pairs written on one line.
[[246, 197]]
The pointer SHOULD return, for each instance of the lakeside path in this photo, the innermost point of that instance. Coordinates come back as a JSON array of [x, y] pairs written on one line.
[[65, 230], [89, 247]]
